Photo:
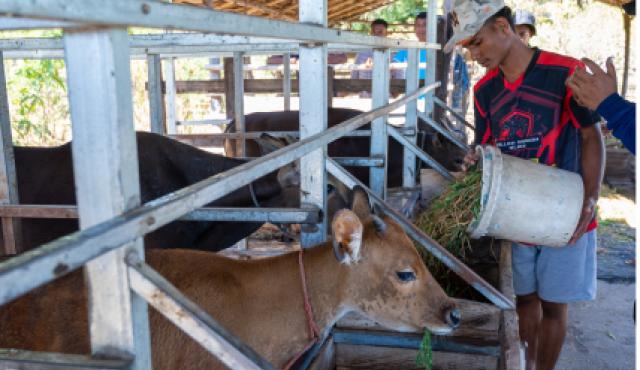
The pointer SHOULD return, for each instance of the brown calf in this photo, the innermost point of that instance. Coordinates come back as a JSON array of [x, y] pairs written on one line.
[[371, 267]]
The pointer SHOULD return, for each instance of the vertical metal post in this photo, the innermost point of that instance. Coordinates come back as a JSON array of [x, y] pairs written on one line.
[[238, 99], [286, 81], [379, 97], [313, 119], [170, 94], [430, 72], [411, 119], [154, 90], [104, 144], [8, 177]]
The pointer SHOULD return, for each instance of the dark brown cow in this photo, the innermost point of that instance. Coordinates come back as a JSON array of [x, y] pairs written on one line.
[[442, 150], [45, 176]]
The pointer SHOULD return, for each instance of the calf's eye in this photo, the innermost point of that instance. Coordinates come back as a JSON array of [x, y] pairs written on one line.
[[406, 276]]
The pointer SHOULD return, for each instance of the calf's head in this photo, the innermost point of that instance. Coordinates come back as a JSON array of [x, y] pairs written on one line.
[[384, 276]]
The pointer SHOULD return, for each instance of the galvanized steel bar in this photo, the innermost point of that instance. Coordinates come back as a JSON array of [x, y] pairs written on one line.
[[457, 115], [240, 214], [104, 142], [238, 100], [432, 37], [286, 81], [443, 255], [411, 119], [170, 94], [36, 267], [155, 14], [313, 119], [11, 230], [444, 131], [154, 91], [10, 23], [426, 158], [380, 97], [191, 319]]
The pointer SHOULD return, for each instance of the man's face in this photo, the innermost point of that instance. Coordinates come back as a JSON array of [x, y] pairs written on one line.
[[490, 45], [420, 28], [379, 30], [524, 32]]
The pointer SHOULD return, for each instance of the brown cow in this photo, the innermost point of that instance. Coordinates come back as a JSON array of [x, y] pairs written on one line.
[[372, 268]]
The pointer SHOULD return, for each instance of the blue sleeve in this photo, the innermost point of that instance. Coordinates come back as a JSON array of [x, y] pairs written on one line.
[[400, 57], [621, 119]]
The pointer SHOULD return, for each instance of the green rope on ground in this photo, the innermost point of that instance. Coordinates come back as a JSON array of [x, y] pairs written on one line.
[[425, 354]]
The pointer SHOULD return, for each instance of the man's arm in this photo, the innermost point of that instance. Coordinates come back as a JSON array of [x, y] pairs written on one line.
[[592, 173]]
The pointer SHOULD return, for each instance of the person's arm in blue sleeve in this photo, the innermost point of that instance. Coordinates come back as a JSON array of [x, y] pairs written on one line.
[[621, 119], [598, 91]]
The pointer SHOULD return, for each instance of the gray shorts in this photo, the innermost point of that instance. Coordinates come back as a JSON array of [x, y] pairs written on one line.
[[560, 275]]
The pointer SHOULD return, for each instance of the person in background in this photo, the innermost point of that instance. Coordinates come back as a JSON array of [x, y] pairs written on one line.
[[365, 58], [525, 23], [420, 30], [598, 91], [523, 107]]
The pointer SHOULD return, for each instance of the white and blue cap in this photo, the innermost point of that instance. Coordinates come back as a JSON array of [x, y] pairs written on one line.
[[468, 17], [525, 18]]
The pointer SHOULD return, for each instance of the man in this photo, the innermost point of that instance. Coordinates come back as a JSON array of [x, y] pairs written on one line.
[[365, 58], [523, 106], [598, 92], [420, 30], [525, 23]]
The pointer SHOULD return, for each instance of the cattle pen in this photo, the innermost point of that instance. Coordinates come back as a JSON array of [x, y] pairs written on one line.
[[97, 48]]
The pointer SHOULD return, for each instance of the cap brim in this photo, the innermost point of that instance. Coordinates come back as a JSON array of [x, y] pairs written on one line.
[[453, 41]]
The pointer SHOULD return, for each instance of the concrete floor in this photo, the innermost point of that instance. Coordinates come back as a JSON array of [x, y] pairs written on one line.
[[601, 334]]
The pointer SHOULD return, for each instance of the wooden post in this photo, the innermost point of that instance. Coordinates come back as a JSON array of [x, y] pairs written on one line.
[[229, 89], [379, 139], [170, 94], [238, 100], [156, 104], [509, 332], [411, 119], [107, 184], [286, 81], [331, 75], [313, 119], [8, 178], [626, 18]]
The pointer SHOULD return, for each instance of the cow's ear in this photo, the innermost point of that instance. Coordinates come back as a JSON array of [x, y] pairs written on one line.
[[360, 203], [347, 236], [269, 143]]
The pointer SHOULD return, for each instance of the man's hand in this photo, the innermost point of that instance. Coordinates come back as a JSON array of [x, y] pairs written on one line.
[[470, 159], [586, 216], [590, 89]]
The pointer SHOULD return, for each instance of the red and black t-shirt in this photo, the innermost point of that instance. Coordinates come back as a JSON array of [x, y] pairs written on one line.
[[536, 116]]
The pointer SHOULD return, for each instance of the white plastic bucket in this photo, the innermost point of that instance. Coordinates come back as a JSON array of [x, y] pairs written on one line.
[[526, 202]]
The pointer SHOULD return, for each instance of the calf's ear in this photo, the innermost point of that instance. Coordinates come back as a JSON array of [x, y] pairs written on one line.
[[360, 203], [346, 230]]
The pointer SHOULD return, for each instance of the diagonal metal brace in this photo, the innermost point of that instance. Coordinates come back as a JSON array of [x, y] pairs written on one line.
[[443, 255]]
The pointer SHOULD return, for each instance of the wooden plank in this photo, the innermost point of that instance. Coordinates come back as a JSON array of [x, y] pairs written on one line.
[[170, 94], [228, 87], [331, 77], [257, 86], [479, 320], [326, 359], [352, 357], [156, 103], [14, 359], [104, 143], [512, 354], [475, 346], [8, 178]]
